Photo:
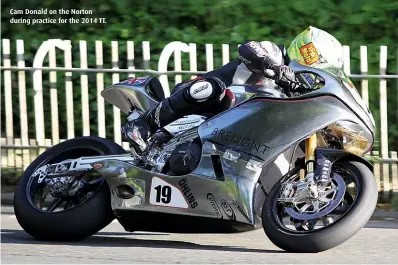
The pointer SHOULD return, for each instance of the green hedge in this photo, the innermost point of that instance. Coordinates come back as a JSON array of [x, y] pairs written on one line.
[[353, 22]]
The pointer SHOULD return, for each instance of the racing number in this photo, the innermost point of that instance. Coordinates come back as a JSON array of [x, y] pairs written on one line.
[[166, 194], [163, 193]]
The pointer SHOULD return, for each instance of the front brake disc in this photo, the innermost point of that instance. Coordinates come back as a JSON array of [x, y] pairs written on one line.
[[340, 191]]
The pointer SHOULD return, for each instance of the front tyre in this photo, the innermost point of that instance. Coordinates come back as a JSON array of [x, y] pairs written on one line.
[[65, 219], [345, 221]]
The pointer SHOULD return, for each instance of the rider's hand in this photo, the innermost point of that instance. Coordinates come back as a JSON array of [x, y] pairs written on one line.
[[284, 76]]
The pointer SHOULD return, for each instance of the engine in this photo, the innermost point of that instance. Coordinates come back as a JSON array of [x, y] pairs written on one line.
[[178, 156], [184, 158]]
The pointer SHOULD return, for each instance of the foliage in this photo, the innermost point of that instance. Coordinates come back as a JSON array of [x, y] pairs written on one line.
[[394, 203], [353, 22]]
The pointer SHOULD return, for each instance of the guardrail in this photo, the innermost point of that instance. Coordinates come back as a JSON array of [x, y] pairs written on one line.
[[19, 148]]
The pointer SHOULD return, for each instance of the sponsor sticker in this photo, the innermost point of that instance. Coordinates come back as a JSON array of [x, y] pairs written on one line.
[[166, 194], [140, 80], [236, 204], [325, 166], [128, 81], [135, 81], [187, 192], [228, 210], [309, 53], [214, 205]]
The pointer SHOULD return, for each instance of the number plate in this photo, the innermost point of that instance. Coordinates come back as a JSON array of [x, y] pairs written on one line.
[[165, 194]]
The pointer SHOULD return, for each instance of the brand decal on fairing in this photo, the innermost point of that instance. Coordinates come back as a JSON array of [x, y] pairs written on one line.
[[243, 141], [236, 204], [166, 194], [135, 81], [228, 210], [187, 192], [214, 205]]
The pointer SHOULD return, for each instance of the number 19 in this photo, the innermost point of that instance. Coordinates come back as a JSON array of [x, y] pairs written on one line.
[[163, 193]]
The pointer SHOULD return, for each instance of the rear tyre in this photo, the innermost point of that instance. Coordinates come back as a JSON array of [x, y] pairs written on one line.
[[84, 218], [317, 240]]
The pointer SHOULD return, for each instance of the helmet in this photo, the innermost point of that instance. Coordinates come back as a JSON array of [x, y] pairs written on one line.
[[314, 46]]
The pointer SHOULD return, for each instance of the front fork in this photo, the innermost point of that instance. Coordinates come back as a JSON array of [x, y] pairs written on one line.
[[317, 163], [311, 144]]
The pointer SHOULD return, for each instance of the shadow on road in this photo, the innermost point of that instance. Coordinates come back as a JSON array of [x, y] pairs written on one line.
[[105, 239]]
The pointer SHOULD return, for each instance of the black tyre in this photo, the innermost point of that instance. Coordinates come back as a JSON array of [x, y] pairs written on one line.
[[358, 210], [84, 214]]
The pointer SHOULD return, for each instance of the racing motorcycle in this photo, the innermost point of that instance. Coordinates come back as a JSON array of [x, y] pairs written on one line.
[[291, 165]]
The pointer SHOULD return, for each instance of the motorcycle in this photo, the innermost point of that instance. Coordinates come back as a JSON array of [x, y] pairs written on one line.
[[291, 165]]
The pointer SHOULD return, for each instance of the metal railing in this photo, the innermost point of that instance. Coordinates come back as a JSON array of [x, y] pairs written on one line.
[[19, 150]]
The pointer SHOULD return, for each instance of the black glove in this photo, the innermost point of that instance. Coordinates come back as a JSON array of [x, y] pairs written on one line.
[[284, 76]]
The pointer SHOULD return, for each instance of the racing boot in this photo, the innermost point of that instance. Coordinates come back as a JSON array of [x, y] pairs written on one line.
[[138, 131]]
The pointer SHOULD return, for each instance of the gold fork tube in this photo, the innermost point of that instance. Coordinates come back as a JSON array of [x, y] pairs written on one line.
[[310, 146]]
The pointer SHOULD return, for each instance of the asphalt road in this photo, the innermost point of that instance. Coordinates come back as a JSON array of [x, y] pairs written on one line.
[[376, 243]]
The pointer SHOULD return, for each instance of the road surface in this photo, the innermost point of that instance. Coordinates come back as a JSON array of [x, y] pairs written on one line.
[[376, 243]]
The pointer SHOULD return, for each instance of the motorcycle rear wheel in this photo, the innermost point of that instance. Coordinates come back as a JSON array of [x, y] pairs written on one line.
[[80, 219], [347, 225]]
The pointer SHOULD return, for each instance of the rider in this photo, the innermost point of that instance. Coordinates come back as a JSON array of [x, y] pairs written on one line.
[[263, 63]]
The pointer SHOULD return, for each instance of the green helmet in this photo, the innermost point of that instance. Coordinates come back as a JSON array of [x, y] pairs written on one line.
[[314, 46]]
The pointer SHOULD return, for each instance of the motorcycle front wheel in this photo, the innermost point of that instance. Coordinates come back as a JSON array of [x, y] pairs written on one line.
[[353, 210], [65, 218]]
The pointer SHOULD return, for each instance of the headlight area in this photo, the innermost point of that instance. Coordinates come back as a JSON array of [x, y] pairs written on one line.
[[350, 136]]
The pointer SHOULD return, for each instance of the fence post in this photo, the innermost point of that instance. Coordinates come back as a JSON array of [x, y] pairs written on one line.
[[18, 153], [70, 121], [376, 172], [4, 156], [115, 79], [177, 66], [130, 57], [54, 98], [225, 54], [23, 112], [146, 54], [209, 57], [364, 71], [100, 86], [8, 101], [394, 173], [383, 118], [346, 59], [193, 59], [84, 88]]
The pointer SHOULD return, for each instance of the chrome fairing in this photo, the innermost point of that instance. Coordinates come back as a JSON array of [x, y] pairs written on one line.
[[226, 198], [127, 97], [338, 89], [265, 127]]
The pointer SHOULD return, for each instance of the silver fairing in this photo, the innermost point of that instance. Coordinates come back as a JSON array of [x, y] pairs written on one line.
[[127, 98]]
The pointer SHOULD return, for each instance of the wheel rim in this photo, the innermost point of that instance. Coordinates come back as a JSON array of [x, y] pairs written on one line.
[[352, 193], [40, 197]]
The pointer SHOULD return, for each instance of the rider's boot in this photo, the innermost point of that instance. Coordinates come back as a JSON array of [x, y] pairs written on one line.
[[139, 130]]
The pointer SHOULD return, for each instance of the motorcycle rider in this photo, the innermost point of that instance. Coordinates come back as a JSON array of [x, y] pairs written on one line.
[[262, 63]]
